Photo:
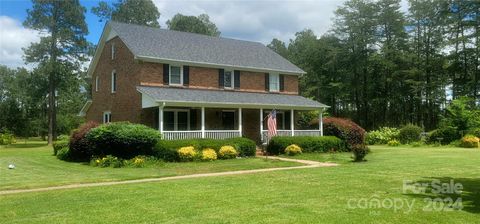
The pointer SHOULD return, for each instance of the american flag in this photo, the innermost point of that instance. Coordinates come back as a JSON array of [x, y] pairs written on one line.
[[272, 124]]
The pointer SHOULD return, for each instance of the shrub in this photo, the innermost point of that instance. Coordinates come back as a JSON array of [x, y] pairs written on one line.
[[108, 161], [80, 147], [382, 136], [293, 149], [123, 139], [345, 129], [209, 155], [58, 145], [470, 141], [227, 152], [187, 153], [308, 144], [167, 149], [393, 143], [359, 152], [7, 139], [65, 154], [138, 161], [410, 133], [443, 136], [63, 138], [416, 144]]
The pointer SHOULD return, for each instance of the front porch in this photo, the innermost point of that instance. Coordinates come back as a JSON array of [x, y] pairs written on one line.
[[220, 120]]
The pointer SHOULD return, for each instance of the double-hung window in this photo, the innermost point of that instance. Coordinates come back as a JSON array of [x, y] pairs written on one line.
[[176, 75], [107, 117], [114, 81], [274, 82], [97, 81], [228, 79], [113, 51]]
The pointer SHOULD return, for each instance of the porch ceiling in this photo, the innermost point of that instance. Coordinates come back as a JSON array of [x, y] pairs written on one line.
[[152, 96]]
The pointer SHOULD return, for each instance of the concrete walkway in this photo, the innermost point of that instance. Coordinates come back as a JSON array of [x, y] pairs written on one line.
[[307, 164]]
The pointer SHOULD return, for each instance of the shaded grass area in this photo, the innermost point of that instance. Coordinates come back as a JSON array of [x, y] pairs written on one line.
[[319, 195], [37, 167]]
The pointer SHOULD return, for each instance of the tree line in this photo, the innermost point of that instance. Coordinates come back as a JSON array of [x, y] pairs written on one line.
[[381, 66], [46, 100]]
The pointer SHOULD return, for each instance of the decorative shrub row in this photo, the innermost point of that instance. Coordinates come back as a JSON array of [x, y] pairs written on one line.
[[278, 144], [345, 129], [123, 139], [167, 149], [115, 162]]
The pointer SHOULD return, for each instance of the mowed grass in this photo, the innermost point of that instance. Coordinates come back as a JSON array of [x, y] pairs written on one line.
[[317, 195], [37, 167]]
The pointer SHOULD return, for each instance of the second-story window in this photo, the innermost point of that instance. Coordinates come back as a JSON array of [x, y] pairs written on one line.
[[113, 51], [228, 79], [274, 83], [96, 83], [176, 76], [114, 81]]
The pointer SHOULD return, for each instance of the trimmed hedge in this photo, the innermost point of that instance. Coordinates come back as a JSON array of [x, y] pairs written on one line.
[[278, 144], [345, 129], [167, 149], [123, 139]]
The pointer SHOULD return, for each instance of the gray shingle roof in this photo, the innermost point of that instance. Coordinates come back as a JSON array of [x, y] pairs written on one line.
[[257, 100], [181, 46]]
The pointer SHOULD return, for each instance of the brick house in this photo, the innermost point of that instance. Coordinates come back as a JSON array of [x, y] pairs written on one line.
[[193, 86]]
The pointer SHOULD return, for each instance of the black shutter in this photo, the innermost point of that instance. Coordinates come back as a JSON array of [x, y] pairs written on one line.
[[220, 78], [236, 80], [267, 82], [186, 75], [166, 69], [282, 82]]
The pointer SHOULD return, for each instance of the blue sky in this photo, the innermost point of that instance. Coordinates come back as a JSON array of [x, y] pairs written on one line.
[[254, 20]]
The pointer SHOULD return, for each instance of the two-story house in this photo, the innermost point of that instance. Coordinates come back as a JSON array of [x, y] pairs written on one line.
[[193, 86]]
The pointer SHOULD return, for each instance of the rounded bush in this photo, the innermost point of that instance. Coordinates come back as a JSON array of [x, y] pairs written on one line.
[[381, 136], [345, 129], [393, 143], [209, 155], [293, 149], [123, 139], [227, 152], [187, 153], [65, 154], [359, 152], [470, 141], [410, 133], [444, 136], [80, 147], [58, 145]]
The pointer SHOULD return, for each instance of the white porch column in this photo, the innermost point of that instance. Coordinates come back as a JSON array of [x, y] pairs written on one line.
[[261, 125], [292, 122], [240, 121], [203, 122], [160, 119], [320, 122]]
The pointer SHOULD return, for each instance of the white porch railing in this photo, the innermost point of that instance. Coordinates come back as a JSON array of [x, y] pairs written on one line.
[[289, 133], [222, 134], [214, 134], [174, 135]]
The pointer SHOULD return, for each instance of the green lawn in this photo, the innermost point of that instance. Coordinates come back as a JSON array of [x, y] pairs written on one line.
[[318, 195], [36, 167]]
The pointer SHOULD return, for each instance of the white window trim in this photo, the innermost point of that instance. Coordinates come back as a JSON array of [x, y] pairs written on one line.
[[175, 117], [113, 51], [109, 115], [96, 83], [277, 76], [170, 75], [113, 85], [232, 77]]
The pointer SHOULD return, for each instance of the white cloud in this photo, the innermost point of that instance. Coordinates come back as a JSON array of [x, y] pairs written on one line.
[[13, 37], [257, 20]]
